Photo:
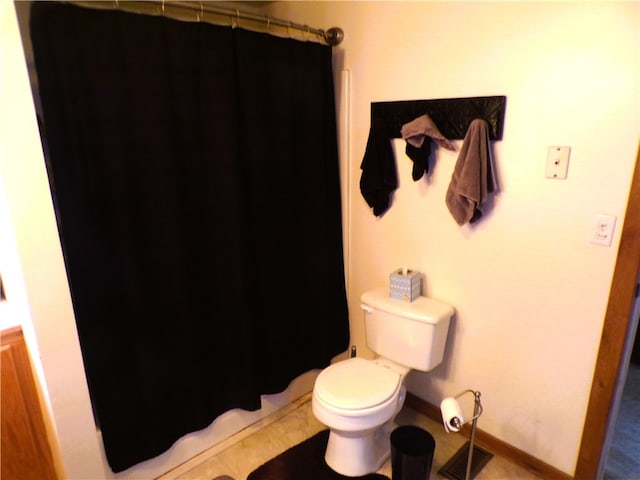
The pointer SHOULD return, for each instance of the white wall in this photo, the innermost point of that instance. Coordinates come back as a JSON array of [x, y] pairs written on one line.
[[530, 291], [36, 256]]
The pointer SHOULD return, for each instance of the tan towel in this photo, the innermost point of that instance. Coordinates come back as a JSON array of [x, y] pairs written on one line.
[[415, 131], [472, 178]]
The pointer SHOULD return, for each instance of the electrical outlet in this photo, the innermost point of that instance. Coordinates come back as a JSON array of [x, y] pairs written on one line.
[[602, 232], [558, 162]]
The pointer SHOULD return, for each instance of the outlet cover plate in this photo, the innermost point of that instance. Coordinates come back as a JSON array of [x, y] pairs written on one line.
[[602, 232]]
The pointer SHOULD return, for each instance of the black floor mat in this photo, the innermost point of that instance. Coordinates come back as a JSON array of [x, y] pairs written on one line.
[[305, 461]]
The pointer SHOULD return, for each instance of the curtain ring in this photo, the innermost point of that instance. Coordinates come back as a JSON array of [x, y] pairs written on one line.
[[235, 21], [163, 8], [200, 14], [268, 22], [237, 18]]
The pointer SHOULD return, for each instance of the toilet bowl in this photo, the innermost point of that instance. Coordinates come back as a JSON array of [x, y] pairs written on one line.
[[358, 399]]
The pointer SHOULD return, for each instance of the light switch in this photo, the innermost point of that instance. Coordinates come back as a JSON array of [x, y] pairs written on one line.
[[602, 232], [558, 162]]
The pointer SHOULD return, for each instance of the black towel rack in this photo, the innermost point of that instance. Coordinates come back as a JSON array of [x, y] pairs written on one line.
[[451, 115]]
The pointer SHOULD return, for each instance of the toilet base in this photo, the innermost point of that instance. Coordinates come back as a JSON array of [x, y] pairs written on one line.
[[360, 454]]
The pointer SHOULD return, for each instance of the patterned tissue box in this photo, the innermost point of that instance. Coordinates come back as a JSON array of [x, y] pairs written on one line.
[[405, 284]]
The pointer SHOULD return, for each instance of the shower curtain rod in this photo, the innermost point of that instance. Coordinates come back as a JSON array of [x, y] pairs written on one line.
[[204, 12]]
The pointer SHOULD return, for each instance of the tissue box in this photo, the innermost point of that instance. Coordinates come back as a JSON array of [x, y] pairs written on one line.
[[405, 284]]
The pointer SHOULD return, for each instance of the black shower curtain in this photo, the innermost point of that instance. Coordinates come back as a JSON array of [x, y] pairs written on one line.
[[195, 178]]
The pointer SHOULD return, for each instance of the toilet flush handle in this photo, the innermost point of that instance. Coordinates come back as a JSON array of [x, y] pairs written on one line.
[[366, 308]]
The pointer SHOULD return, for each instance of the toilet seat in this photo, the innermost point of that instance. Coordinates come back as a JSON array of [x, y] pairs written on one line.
[[357, 384]]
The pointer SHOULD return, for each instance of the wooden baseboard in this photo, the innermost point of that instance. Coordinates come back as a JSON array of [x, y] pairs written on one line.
[[493, 444]]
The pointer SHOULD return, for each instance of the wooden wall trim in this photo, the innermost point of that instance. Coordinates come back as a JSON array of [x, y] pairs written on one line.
[[614, 335], [493, 444]]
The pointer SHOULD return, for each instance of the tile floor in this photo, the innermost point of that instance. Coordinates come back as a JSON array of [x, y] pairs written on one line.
[[241, 454]]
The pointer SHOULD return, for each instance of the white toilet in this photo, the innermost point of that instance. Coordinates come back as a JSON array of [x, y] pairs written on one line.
[[358, 399]]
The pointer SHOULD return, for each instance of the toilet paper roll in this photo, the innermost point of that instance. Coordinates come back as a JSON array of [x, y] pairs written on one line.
[[451, 410]]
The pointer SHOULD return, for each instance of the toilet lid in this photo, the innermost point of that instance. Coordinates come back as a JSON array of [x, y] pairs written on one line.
[[356, 384]]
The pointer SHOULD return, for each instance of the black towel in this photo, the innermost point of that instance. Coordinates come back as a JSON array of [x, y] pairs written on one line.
[[420, 158], [419, 133], [379, 178]]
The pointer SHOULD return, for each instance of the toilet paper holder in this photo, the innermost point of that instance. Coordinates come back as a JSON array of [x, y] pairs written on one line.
[[455, 423], [453, 420]]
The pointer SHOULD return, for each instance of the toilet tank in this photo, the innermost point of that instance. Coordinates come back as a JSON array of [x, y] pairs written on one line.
[[412, 334]]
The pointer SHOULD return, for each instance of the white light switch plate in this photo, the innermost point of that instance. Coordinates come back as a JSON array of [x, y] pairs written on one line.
[[558, 162]]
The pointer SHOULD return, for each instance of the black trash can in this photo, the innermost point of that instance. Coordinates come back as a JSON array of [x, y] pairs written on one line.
[[411, 453]]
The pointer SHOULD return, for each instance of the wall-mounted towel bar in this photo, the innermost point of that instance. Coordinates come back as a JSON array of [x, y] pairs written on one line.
[[451, 115]]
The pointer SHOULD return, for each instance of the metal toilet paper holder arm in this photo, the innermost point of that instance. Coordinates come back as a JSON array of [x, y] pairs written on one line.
[[456, 422]]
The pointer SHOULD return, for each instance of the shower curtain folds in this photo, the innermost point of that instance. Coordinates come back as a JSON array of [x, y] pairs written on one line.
[[195, 178]]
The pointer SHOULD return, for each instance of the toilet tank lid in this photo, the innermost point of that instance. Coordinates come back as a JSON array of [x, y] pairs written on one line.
[[422, 309]]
